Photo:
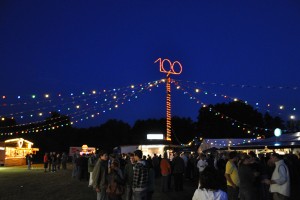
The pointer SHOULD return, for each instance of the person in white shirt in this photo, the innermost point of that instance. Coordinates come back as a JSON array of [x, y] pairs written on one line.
[[280, 180], [209, 186], [201, 164]]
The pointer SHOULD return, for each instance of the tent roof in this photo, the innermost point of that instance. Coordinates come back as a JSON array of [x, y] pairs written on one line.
[[291, 140], [286, 140]]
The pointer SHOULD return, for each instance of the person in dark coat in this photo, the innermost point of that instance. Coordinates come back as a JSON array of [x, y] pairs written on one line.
[[178, 170]]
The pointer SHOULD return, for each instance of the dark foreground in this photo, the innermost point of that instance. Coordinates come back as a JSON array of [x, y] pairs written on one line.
[[19, 183]]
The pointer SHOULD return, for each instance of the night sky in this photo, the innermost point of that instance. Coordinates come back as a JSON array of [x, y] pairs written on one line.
[[242, 49]]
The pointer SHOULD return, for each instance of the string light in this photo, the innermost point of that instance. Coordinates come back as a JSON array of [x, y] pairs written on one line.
[[223, 116], [93, 103], [89, 109], [191, 86]]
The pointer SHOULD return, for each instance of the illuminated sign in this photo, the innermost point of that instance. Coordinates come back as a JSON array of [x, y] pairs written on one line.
[[169, 67], [155, 136]]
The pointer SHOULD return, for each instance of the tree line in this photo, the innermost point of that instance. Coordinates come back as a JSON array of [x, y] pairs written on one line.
[[224, 120]]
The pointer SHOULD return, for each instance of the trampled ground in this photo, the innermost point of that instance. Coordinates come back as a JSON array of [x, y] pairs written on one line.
[[18, 183]]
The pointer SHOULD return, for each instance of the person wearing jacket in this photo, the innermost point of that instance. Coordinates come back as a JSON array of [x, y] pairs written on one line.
[[128, 177], [99, 176], [178, 170], [140, 177]]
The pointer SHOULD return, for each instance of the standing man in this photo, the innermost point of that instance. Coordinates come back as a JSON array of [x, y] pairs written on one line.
[[64, 159], [29, 160], [74, 165], [280, 181], [100, 177], [53, 158], [91, 164], [140, 177], [178, 170], [46, 160], [165, 168], [232, 177], [50, 161], [128, 177]]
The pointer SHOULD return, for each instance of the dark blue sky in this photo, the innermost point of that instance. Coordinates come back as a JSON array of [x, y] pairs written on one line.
[[52, 47]]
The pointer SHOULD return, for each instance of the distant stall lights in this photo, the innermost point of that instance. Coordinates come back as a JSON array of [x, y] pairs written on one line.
[[292, 117]]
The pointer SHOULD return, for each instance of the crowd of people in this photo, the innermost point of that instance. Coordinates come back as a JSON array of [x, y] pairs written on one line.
[[54, 161], [248, 176], [217, 176]]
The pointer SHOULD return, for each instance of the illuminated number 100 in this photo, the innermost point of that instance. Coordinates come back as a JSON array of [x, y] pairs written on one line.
[[170, 66]]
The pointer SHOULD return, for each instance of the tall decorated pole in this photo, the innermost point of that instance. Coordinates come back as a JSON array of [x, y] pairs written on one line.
[[168, 108], [168, 70]]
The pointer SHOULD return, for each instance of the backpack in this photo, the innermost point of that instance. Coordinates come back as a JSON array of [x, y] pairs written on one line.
[[115, 186]]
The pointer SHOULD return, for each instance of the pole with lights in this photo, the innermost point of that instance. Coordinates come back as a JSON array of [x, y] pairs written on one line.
[[166, 66]]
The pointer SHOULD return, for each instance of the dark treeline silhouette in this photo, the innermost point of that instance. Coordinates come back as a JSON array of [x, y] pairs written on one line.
[[236, 120], [232, 120]]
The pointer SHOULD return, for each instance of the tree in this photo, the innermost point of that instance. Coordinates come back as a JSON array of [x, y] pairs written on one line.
[[183, 130], [233, 120], [141, 128]]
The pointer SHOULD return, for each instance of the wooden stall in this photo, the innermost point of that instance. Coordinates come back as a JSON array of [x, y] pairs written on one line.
[[13, 151]]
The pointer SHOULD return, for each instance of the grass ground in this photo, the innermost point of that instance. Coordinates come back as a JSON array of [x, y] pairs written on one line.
[[18, 183]]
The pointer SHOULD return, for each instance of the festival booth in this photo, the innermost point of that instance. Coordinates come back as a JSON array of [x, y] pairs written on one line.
[[13, 151], [85, 149], [155, 144]]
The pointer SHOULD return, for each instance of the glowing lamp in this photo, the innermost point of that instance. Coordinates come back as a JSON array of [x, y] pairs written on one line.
[[277, 132]]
